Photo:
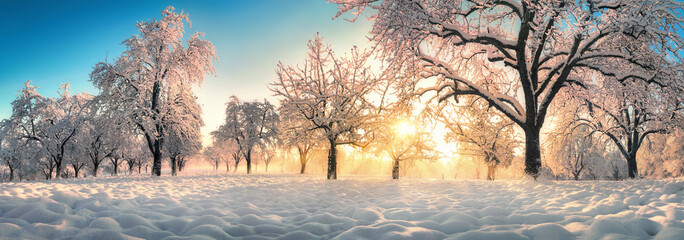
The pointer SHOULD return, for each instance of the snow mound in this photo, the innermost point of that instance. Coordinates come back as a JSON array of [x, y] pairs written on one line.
[[310, 207]]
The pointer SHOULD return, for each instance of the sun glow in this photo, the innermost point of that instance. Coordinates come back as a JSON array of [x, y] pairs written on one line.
[[405, 128], [447, 150]]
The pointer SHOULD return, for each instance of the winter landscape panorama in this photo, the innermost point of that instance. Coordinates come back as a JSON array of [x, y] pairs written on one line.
[[342, 119]]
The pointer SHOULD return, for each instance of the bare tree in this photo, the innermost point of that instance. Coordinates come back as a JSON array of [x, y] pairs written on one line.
[[182, 144], [102, 135], [403, 144], [294, 134], [218, 152], [248, 124], [628, 112], [268, 150], [329, 92], [75, 158], [52, 123], [481, 132], [673, 155], [14, 151], [517, 55], [576, 150]]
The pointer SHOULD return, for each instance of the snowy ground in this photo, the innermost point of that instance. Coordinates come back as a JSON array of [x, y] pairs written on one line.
[[309, 207]]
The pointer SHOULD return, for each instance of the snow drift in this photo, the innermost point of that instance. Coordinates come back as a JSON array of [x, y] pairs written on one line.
[[309, 207]]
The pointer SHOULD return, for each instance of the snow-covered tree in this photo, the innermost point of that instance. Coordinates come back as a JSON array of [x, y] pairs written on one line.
[[294, 134], [98, 146], [628, 112], [652, 156], [76, 157], [9, 154], [102, 134], [129, 152], [480, 132], [15, 153], [24, 122], [151, 82], [517, 54], [26, 112], [184, 140], [576, 151], [212, 153], [247, 125], [131, 164], [182, 145], [224, 150], [673, 155], [330, 93], [51, 123], [63, 118], [268, 151], [137, 155], [405, 140]]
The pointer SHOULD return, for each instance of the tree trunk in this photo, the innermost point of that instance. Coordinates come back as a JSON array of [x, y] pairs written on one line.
[[302, 159], [58, 167], [157, 163], [181, 164], [395, 169], [332, 159], [301, 170], [174, 170], [157, 141], [11, 173], [115, 162], [632, 169], [76, 170], [51, 169], [96, 165], [491, 172], [139, 168], [248, 159], [58, 172], [532, 152]]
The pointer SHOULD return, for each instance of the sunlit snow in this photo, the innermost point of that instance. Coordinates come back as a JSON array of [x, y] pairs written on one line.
[[310, 207]]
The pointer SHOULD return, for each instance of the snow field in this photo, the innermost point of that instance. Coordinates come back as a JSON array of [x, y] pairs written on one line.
[[310, 207]]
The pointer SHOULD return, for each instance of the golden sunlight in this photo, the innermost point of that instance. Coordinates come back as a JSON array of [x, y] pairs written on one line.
[[405, 128]]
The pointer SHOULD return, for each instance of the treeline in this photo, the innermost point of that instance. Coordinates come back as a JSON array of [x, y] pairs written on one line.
[[66, 136], [593, 99], [145, 109]]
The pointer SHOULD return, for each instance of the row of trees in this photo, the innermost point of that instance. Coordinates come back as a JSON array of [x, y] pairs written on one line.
[[328, 101], [607, 76], [325, 103], [145, 99], [520, 56], [62, 136], [617, 63]]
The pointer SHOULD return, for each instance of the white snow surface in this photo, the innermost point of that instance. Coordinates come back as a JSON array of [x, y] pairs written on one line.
[[310, 207]]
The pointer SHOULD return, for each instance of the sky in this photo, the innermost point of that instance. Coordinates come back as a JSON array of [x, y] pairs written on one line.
[[56, 42]]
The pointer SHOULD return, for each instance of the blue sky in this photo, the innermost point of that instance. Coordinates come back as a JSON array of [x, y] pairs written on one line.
[[54, 42]]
